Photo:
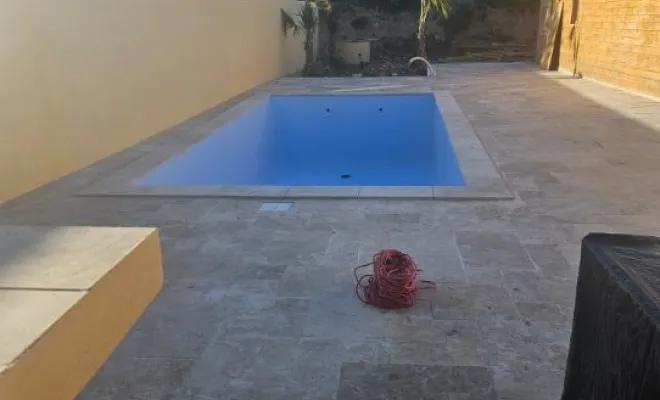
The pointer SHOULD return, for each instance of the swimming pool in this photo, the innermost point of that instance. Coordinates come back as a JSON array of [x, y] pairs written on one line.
[[322, 140]]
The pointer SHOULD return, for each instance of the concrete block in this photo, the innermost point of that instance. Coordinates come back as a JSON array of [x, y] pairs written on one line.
[[68, 296]]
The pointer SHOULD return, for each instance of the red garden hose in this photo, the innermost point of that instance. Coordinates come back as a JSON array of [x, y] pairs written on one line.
[[393, 283]]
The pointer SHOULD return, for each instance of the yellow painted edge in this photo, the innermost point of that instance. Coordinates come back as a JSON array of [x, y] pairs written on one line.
[[68, 355]]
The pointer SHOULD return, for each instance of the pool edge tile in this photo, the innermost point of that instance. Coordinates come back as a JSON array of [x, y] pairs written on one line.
[[186, 191], [398, 192], [350, 192], [474, 193]]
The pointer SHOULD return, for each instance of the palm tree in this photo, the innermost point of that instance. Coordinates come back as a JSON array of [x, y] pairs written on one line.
[[306, 20], [426, 7]]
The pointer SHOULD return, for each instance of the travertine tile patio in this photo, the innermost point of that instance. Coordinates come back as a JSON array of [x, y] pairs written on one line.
[[262, 305]]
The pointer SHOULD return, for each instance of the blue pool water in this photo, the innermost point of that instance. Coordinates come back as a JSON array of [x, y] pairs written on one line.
[[382, 140]]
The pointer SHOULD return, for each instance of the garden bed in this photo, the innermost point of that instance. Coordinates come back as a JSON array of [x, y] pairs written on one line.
[[398, 65]]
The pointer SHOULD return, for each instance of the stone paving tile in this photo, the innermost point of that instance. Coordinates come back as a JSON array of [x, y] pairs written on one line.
[[530, 286], [429, 342], [466, 344], [337, 313], [309, 282], [342, 251], [319, 367], [239, 390], [373, 351], [492, 250], [180, 323], [461, 301], [509, 341], [484, 276], [230, 365], [283, 319], [401, 382], [542, 229], [248, 297], [260, 272], [138, 378], [275, 365], [283, 221], [393, 218], [304, 250], [197, 270], [253, 298], [440, 267], [223, 361], [560, 314], [548, 259], [584, 210], [307, 368], [190, 211], [528, 381]]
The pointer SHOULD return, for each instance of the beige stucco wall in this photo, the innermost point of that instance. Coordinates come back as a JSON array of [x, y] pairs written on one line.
[[354, 52], [81, 79]]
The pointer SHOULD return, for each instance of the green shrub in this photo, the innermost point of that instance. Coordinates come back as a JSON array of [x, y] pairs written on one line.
[[360, 23], [460, 16], [385, 5]]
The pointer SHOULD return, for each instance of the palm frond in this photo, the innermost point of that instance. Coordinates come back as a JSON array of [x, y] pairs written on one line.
[[289, 23], [307, 17], [442, 5], [323, 6]]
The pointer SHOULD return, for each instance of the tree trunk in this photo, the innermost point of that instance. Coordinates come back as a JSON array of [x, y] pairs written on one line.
[[421, 33], [421, 40], [309, 50], [324, 38]]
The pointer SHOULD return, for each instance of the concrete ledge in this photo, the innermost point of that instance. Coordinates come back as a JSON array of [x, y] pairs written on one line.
[[402, 192], [68, 296]]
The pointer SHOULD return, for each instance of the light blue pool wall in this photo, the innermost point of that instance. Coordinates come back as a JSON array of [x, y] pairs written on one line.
[[246, 136], [334, 132], [327, 127]]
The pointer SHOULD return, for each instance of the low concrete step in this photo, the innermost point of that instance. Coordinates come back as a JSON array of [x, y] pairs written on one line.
[[68, 296]]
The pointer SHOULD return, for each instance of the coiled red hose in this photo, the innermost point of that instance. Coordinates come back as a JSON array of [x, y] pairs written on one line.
[[393, 283]]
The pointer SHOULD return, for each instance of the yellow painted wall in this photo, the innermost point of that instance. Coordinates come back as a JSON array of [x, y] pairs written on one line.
[[83, 79], [613, 41]]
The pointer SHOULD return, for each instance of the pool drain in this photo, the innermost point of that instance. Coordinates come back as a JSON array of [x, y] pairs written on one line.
[[346, 176]]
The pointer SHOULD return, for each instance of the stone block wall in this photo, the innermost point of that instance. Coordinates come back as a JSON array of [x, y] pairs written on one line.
[[617, 42], [396, 30]]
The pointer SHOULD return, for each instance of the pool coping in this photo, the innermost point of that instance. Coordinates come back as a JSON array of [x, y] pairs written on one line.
[[482, 178]]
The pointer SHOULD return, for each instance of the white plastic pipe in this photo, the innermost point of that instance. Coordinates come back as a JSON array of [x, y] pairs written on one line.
[[430, 71]]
